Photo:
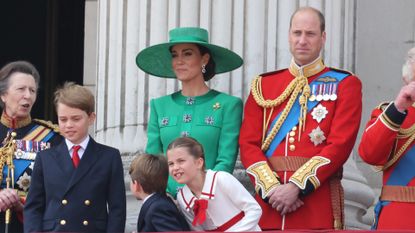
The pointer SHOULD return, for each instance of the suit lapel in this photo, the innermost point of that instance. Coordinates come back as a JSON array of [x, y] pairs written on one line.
[[62, 157], [88, 159]]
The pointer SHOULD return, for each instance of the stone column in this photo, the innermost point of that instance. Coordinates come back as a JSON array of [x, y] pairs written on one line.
[[358, 197]]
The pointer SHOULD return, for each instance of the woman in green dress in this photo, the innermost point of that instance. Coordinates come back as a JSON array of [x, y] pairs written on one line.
[[211, 117]]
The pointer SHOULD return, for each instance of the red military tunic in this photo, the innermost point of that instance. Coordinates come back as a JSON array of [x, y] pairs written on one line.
[[382, 140], [327, 153]]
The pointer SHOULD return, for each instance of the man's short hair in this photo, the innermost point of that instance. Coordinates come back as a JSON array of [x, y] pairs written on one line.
[[319, 14], [75, 96], [151, 171]]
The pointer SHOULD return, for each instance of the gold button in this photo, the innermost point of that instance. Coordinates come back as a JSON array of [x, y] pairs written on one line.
[[87, 202], [64, 202], [85, 223], [294, 128], [62, 222], [291, 140], [292, 147], [292, 133]]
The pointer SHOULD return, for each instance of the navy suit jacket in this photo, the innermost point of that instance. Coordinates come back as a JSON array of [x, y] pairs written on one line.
[[159, 213], [64, 199]]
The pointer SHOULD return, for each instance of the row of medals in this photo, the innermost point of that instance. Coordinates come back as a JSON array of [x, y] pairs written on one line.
[[324, 92]]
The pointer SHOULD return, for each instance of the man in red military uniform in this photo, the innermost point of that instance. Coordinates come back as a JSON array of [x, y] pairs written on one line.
[[388, 143], [299, 127]]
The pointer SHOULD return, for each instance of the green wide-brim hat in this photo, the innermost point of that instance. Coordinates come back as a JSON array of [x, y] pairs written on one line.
[[156, 59]]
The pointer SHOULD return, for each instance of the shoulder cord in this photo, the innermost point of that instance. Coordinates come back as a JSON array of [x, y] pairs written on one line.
[[296, 86], [403, 133]]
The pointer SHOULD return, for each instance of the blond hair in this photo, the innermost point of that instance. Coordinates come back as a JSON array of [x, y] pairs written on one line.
[[75, 96]]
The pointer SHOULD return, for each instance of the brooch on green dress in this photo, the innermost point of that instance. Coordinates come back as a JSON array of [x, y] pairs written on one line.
[[187, 117], [190, 100], [165, 121], [216, 106], [209, 120]]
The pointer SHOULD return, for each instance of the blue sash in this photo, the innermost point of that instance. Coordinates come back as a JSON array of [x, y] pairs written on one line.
[[403, 173], [294, 114], [20, 165]]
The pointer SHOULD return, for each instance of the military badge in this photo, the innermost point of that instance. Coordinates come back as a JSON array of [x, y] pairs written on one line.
[[24, 181], [327, 89], [333, 95], [319, 95], [44, 145], [319, 113], [19, 154], [313, 93], [326, 79], [317, 136]]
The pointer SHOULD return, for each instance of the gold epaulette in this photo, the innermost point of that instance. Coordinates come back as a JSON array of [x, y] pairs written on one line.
[[48, 124], [265, 179], [382, 106], [308, 172], [342, 71]]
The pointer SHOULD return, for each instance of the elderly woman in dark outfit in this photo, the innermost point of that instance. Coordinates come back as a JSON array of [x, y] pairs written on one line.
[[19, 83]]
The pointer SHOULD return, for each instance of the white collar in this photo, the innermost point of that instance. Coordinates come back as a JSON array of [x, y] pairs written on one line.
[[208, 190], [83, 144], [146, 198]]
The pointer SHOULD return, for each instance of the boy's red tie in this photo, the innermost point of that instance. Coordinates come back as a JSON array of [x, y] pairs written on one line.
[[75, 155]]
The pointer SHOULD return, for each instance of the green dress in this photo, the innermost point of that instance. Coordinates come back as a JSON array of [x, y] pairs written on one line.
[[212, 119]]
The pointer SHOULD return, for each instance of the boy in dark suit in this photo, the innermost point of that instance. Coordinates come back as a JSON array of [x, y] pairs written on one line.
[[78, 186], [149, 174]]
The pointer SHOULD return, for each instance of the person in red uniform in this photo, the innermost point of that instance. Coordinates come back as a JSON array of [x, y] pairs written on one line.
[[299, 127], [388, 143]]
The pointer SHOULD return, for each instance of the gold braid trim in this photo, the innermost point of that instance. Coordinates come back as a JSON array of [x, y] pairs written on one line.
[[265, 179], [259, 99], [405, 133], [402, 133], [388, 122], [308, 172], [48, 124], [398, 154], [299, 84], [256, 89]]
